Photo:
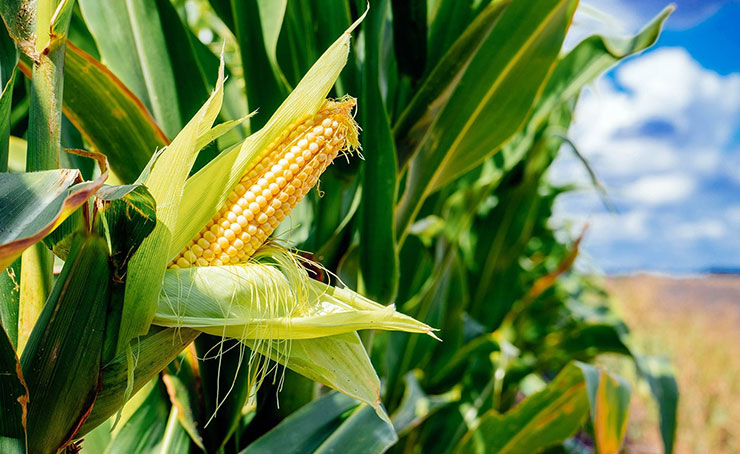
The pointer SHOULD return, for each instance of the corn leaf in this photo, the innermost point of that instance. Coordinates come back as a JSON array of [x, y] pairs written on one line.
[[13, 399], [8, 60], [57, 357], [257, 301], [438, 87], [208, 189], [378, 252], [417, 406], [152, 428], [132, 44], [150, 354], [165, 182], [182, 381], [491, 101], [307, 428], [93, 99], [554, 414], [35, 203], [227, 384]]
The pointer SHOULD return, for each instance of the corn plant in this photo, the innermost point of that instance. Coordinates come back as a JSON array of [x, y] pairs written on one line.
[[172, 281]]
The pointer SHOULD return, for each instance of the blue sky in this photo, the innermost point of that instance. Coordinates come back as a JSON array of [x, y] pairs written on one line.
[[662, 131]]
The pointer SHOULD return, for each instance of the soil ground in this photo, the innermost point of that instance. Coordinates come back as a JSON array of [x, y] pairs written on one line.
[[696, 323]]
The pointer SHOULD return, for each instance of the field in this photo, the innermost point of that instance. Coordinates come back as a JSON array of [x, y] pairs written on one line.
[[696, 322]]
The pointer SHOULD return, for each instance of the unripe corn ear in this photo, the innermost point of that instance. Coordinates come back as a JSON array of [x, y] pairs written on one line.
[[282, 175]]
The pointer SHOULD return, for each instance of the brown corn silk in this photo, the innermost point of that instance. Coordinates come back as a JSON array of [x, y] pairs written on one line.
[[283, 174]]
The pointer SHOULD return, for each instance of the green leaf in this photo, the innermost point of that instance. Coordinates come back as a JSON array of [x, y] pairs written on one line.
[[165, 183], [378, 253], [438, 87], [94, 99], [332, 423], [10, 288], [13, 399], [35, 203], [183, 384], [151, 354], [416, 406], [556, 413], [125, 215], [225, 378], [339, 362], [153, 428], [8, 61], [491, 101], [132, 44], [57, 357]]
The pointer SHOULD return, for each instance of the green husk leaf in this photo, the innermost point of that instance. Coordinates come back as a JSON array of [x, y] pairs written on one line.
[[165, 183], [151, 354], [266, 301], [59, 358]]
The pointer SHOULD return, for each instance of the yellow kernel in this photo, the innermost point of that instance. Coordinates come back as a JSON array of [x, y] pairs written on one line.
[[238, 244], [224, 225], [277, 169], [217, 262], [273, 221], [249, 196], [197, 250], [252, 229], [225, 258], [208, 254], [261, 201], [203, 242], [182, 262], [318, 130], [300, 161], [231, 251], [326, 123], [295, 150], [269, 176], [295, 168], [303, 143], [334, 124], [231, 217], [236, 209], [282, 163], [223, 242], [267, 193], [280, 181], [262, 218], [236, 228], [174, 267], [242, 221], [202, 262], [215, 248], [190, 256], [276, 203], [228, 235], [269, 211], [240, 189], [327, 132], [290, 189], [233, 197], [254, 207], [314, 147], [288, 174], [306, 154], [256, 243], [283, 196]]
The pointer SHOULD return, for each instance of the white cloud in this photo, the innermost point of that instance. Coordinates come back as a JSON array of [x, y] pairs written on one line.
[[661, 134], [660, 189]]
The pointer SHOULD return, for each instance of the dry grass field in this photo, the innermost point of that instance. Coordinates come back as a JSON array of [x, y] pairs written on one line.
[[696, 323]]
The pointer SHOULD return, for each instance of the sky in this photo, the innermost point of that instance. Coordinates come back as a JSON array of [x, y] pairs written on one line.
[[662, 132]]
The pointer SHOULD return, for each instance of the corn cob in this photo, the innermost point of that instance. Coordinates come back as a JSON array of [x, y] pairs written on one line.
[[283, 174]]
